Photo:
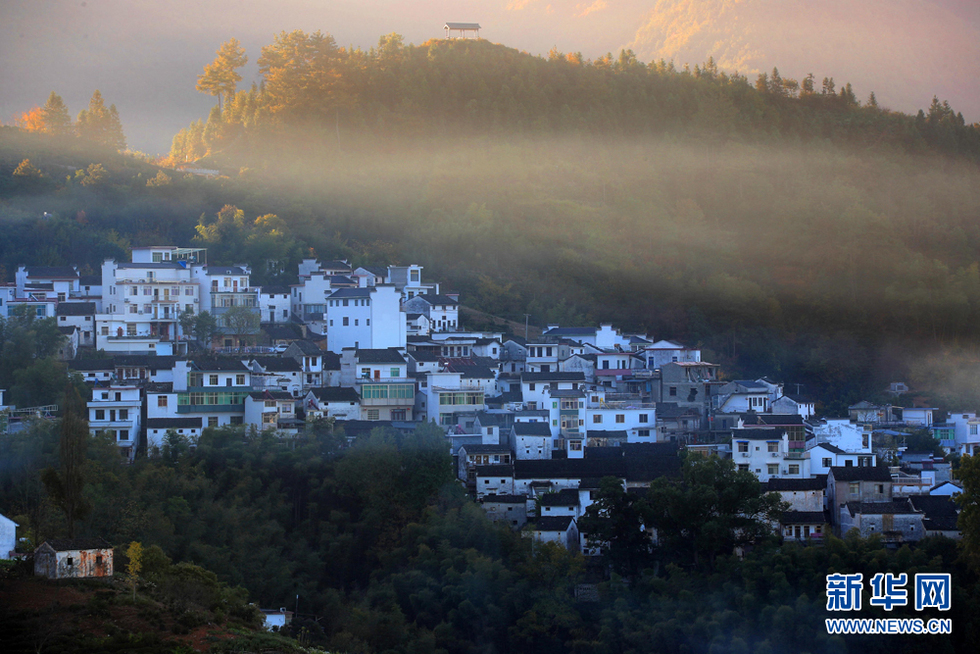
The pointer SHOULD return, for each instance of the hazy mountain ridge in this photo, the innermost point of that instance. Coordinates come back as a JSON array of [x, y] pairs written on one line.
[[896, 38]]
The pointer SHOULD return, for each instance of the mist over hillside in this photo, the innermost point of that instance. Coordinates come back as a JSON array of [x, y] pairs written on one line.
[[889, 47]]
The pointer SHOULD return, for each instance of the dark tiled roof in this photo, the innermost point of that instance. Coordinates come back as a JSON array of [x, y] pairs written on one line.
[[866, 473], [552, 376], [564, 497], [532, 429], [426, 357], [278, 364], [434, 299], [553, 523], [831, 448], [935, 506], [942, 523], [902, 507], [342, 293], [207, 364], [803, 517], [67, 545], [150, 266], [501, 470], [504, 499], [150, 361], [271, 395], [640, 468], [390, 355], [336, 394], [173, 423], [486, 449], [92, 364], [90, 280], [68, 330], [51, 272], [274, 290], [811, 484], [571, 331], [75, 309], [331, 360], [225, 270], [308, 348]]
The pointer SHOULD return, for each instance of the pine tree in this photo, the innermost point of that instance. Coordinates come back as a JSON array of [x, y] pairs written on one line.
[[100, 125], [220, 77], [66, 483], [56, 118]]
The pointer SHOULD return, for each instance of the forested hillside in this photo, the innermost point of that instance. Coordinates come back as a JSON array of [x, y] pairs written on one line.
[[784, 225]]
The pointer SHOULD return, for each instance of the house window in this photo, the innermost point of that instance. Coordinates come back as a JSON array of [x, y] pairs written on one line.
[[162, 401], [644, 418], [70, 561], [212, 421], [100, 414], [743, 466], [773, 468], [346, 319], [239, 380], [772, 447], [827, 463], [122, 435], [881, 488], [124, 414], [213, 380], [855, 488], [395, 372], [620, 418], [743, 446], [643, 433], [794, 469], [530, 387], [373, 414], [597, 419], [673, 391]]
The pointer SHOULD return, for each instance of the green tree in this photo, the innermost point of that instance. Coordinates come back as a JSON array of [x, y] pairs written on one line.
[[242, 322], [712, 510], [969, 501], [100, 125], [616, 522], [65, 484], [135, 555], [220, 77], [56, 118], [206, 328]]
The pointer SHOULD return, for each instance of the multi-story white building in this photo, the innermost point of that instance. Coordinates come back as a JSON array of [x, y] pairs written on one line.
[[115, 410], [143, 300], [365, 318], [769, 453], [222, 289], [274, 304], [381, 378]]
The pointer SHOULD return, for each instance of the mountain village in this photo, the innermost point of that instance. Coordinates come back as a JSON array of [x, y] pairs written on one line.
[[533, 424]]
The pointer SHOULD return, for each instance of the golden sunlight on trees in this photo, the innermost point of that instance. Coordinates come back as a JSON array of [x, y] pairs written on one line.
[[220, 77], [101, 125], [302, 74], [31, 120]]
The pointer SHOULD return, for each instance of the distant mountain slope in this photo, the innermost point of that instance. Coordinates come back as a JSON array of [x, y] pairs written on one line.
[[885, 46]]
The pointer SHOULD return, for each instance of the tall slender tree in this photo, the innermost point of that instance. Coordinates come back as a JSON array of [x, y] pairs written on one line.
[[101, 125], [65, 483], [56, 118], [220, 77]]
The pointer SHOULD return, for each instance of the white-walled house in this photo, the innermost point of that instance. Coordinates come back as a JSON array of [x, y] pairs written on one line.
[[365, 318], [273, 303], [271, 409], [115, 410], [338, 402], [663, 352], [8, 537], [381, 378], [531, 440], [767, 454], [157, 429]]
